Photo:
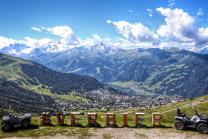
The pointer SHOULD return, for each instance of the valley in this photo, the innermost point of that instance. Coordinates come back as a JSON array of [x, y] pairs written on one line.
[[101, 77], [30, 87], [151, 71]]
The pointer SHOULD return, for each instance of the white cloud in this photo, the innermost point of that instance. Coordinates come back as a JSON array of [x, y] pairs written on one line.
[[179, 25], [90, 41], [202, 37], [25, 51], [36, 43], [67, 34], [62, 31], [150, 12], [68, 40], [5, 42], [179, 30], [135, 32], [171, 3], [68, 37], [95, 39], [130, 11], [108, 21], [175, 44], [200, 12], [36, 29]]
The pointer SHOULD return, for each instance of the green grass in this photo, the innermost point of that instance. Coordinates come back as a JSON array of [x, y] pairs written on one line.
[[45, 91], [12, 71], [168, 112], [4, 112], [133, 85]]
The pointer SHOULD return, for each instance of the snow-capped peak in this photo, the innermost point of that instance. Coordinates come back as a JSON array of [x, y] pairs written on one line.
[[101, 47]]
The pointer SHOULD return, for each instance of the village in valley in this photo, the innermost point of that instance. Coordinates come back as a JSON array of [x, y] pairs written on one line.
[[102, 99]]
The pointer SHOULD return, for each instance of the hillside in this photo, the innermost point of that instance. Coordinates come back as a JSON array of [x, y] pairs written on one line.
[[28, 86], [164, 72], [26, 72]]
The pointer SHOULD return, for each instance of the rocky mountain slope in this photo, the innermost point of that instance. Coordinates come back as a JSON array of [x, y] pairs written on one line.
[[137, 71], [142, 71]]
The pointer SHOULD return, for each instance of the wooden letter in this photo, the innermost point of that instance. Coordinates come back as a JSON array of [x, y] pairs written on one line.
[[92, 117], [45, 118], [60, 118], [156, 119], [125, 119], [110, 119], [138, 118], [73, 118]]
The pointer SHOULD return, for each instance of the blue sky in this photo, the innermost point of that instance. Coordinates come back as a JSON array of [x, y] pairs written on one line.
[[85, 17], [88, 17]]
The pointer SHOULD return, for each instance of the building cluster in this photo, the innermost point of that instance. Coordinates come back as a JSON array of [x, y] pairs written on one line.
[[101, 99]]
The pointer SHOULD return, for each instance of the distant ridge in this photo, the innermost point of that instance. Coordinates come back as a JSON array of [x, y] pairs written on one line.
[[167, 71]]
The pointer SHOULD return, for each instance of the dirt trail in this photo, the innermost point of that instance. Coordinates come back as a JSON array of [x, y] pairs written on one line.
[[130, 133]]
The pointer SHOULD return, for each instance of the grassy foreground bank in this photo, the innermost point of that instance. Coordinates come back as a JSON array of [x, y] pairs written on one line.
[[168, 111]]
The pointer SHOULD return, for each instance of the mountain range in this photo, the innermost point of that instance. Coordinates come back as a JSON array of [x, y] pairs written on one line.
[[137, 71]]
